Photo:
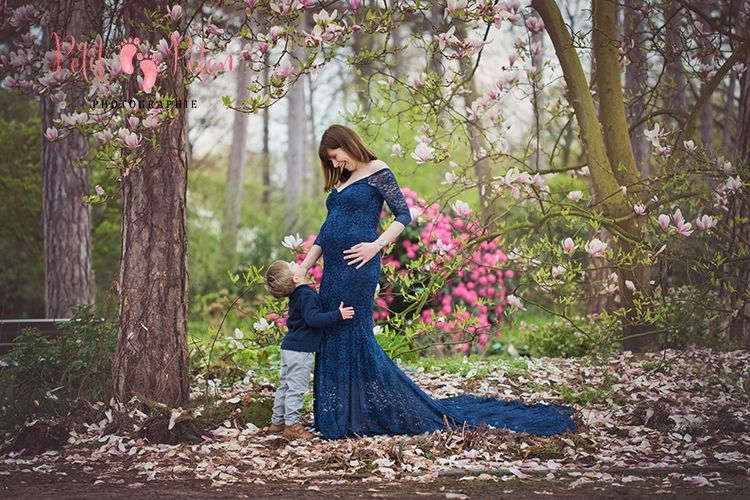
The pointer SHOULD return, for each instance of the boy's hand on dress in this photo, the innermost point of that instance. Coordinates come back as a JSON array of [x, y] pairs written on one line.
[[346, 312]]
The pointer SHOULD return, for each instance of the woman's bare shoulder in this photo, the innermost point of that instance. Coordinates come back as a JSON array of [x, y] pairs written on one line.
[[377, 165]]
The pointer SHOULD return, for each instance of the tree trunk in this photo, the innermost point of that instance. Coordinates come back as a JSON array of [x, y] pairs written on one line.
[[66, 218], [236, 171], [296, 149], [151, 359], [635, 84], [727, 131], [739, 327]]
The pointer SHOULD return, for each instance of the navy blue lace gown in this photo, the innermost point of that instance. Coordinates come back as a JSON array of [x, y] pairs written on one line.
[[358, 389]]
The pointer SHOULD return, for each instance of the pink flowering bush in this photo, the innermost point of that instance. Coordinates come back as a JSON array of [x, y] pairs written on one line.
[[461, 307]]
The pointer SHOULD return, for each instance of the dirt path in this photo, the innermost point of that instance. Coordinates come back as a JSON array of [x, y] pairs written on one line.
[[73, 484]]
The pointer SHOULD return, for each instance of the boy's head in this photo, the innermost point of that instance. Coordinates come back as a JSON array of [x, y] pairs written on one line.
[[283, 277]]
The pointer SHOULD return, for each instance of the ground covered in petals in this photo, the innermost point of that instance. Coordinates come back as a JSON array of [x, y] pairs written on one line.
[[675, 422]]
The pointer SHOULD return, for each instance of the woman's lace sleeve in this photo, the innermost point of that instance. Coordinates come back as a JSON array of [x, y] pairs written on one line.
[[385, 182]]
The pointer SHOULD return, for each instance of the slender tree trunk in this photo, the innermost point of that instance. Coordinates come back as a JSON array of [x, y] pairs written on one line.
[[151, 359], [236, 171], [727, 131], [635, 83], [739, 328], [66, 218], [265, 163], [296, 148]]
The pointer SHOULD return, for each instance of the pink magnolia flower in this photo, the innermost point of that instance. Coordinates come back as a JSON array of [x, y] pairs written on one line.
[[664, 221], [595, 247], [461, 208], [453, 6], [569, 245], [734, 184], [423, 153], [678, 218], [629, 285], [705, 222], [133, 121], [354, 4], [534, 24], [639, 208], [99, 190], [515, 302], [447, 38], [689, 146], [397, 151], [575, 196], [52, 133], [103, 136], [132, 140], [685, 229], [558, 271], [176, 12]]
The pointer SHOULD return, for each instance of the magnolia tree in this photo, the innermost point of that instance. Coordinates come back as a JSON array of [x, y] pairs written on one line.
[[424, 61]]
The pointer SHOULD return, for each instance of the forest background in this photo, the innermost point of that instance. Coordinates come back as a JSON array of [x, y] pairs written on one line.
[[577, 172]]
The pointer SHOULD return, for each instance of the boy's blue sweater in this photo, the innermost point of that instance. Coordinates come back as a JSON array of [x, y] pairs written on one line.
[[306, 320]]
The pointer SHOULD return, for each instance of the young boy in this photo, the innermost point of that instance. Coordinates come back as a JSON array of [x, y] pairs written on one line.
[[305, 322]]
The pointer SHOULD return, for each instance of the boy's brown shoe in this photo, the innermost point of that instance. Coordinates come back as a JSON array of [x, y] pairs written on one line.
[[276, 428], [296, 431]]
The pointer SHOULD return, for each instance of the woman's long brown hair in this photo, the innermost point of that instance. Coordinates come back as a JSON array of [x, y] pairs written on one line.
[[340, 136]]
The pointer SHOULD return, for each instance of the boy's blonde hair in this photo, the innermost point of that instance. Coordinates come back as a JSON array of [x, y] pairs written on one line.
[[279, 280]]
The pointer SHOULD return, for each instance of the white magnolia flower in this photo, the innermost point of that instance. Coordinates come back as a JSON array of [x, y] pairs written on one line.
[[262, 325], [629, 285], [705, 222], [292, 241], [238, 334]]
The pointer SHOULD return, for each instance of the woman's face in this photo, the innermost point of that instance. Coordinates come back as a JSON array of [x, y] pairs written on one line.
[[341, 160]]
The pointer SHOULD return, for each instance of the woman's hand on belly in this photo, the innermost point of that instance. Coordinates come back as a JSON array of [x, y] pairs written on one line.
[[361, 253]]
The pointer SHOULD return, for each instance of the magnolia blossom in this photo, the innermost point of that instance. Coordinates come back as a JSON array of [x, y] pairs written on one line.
[[689, 146], [655, 135], [262, 325], [629, 285], [103, 136], [685, 229], [515, 302], [569, 245], [442, 248], [99, 190], [450, 178], [176, 12], [447, 38], [663, 247], [664, 221], [52, 133], [423, 153], [558, 271], [461, 208], [575, 195], [534, 24], [595, 247], [132, 140], [453, 6], [734, 184], [238, 334], [705, 222], [397, 151], [292, 241], [639, 208]]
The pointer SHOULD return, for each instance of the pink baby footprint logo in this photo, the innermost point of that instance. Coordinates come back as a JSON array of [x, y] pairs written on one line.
[[147, 65]]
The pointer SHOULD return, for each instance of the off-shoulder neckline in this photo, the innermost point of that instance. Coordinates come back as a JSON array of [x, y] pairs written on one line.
[[344, 188]]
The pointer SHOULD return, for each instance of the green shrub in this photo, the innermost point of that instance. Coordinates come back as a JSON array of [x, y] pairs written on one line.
[[576, 337], [42, 375]]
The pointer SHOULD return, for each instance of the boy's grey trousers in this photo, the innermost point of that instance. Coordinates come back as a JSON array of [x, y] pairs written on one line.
[[294, 380]]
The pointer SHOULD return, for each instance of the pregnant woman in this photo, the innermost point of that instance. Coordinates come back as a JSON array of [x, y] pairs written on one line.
[[358, 389]]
